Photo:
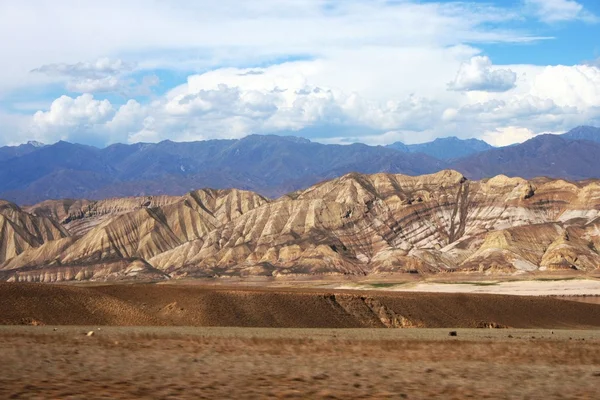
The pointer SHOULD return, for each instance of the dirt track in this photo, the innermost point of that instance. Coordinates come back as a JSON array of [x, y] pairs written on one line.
[[180, 305]]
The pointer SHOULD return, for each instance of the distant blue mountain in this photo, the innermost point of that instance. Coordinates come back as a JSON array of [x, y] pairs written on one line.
[[555, 156], [271, 165], [584, 133], [8, 152], [448, 148]]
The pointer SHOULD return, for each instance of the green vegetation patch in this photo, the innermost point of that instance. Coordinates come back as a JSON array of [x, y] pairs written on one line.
[[558, 279], [470, 283], [385, 284]]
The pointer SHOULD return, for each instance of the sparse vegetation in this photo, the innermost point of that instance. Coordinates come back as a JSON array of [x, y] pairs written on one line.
[[380, 285], [557, 279], [475, 283]]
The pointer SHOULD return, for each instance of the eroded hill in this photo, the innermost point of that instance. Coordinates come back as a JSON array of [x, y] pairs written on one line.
[[353, 225]]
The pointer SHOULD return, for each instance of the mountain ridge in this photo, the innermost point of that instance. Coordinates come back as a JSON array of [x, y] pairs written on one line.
[[270, 165], [447, 148], [548, 155], [354, 225]]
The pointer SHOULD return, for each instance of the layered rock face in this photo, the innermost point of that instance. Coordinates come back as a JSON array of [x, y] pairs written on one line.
[[21, 231], [356, 224], [120, 243], [80, 216]]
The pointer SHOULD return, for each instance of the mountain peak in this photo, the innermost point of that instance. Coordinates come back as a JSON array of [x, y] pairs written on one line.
[[583, 132], [35, 143], [446, 148]]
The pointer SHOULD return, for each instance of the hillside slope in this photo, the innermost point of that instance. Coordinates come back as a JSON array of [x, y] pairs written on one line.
[[353, 225], [201, 306], [21, 231]]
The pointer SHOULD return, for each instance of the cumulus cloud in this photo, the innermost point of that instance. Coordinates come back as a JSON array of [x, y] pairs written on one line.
[[371, 71], [283, 98], [70, 118], [479, 74], [230, 103], [577, 86], [551, 11]]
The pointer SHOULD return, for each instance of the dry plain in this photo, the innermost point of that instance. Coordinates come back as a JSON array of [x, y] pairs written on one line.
[[182, 341], [253, 363]]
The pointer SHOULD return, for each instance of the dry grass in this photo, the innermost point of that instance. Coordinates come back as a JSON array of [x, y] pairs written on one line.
[[245, 364]]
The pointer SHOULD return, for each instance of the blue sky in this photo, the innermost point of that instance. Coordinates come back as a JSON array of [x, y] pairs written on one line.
[[371, 71]]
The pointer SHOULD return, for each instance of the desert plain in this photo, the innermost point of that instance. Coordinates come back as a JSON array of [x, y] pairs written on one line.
[[179, 341]]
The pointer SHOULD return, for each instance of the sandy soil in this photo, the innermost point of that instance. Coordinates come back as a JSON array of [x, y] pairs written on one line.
[[251, 363], [567, 287]]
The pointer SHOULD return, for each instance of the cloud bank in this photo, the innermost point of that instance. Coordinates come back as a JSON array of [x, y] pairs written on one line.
[[368, 71]]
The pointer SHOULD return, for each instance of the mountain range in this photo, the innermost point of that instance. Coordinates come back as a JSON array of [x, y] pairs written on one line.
[[355, 225], [272, 165]]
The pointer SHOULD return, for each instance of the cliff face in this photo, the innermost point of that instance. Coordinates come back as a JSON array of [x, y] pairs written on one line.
[[356, 224]]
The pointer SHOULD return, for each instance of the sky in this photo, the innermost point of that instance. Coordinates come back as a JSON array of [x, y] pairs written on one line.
[[343, 71]]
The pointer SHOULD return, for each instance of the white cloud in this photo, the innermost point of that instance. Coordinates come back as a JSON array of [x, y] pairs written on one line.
[[369, 71], [202, 34], [478, 74], [232, 102], [507, 135], [559, 10], [100, 76], [90, 85], [69, 118], [577, 86], [510, 110], [98, 69]]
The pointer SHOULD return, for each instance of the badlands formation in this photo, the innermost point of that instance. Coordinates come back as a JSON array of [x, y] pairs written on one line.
[[354, 225]]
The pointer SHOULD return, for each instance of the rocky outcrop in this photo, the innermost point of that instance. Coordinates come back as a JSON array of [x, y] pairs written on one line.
[[21, 231], [120, 239], [353, 225], [81, 216]]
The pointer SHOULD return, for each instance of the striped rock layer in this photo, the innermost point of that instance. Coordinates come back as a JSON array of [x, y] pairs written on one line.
[[353, 225]]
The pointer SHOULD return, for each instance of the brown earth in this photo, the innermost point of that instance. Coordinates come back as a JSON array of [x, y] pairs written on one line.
[[182, 305], [210, 363], [582, 299]]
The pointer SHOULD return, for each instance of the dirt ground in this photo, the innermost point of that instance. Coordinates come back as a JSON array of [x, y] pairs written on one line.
[[178, 305], [177, 342], [255, 363]]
